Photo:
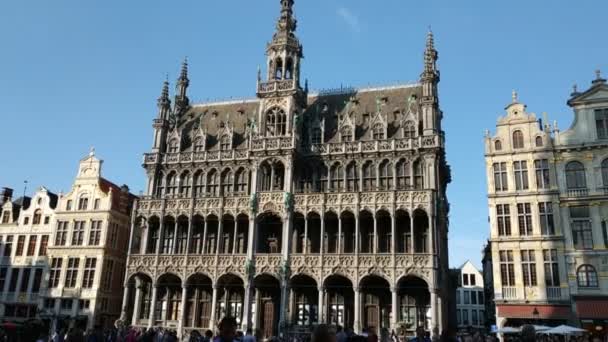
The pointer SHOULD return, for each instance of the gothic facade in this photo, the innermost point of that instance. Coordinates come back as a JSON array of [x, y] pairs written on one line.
[[294, 208]]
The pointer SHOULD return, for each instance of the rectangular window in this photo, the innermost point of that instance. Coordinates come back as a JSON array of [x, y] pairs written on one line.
[[457, 297], [49, 303], [20, 244], [503, 219], [61, 234], [521, 175], [25, 279], [114, 235], [83, 203], [472, 279], [66, 304], [89, 273], [95, 233], [37, 280], [458, 317], [44, 242], [84, 304], [605, 233], [55, 272], [12, 286], [541, 168], [31, 247], [68, 205], [582, 234], [474, 317], [6, 217], [8, 245], [72, 272], [500, 177], [551, 267], [3, 271], [78, 233], [601, 123], [524, 219], [474, 297], [528, 266], [107, 274], [96, 204], [465, 279], [480, 297], [507, 268], [545, 211], [467, 297], [465, 317]]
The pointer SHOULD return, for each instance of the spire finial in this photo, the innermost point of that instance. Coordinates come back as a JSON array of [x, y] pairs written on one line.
[[184, 72], [514, 96], [92, 151], [598, 74], [287, 23]]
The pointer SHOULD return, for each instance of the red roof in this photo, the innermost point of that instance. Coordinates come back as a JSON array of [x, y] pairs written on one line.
[[594, 308], [526, 311]]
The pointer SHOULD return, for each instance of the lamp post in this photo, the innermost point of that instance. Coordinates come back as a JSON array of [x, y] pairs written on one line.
[[535, 314]]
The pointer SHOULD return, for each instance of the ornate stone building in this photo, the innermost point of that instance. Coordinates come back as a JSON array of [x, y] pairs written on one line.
[[25, 230], [88, 250], [548, 213], [294, 208]]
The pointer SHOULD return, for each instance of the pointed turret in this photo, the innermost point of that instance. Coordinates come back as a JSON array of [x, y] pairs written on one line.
[[163, 102], [161, 123], [181, 89], [431, 115]]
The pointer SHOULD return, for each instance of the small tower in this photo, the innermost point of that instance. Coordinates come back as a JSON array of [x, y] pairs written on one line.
[[431, 115], [282, 84], [181, 90], [161, 123]]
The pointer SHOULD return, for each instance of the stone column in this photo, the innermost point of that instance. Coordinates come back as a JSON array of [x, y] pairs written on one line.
[[339, 234], [226, 295], [204, 242], [305, 250], [321, 309], [255, 322], [189, 236], [283, 308], [125, 302], [152, 318], [169, 294], [213, 308], [137, 304], [413, 240], [357, 322], [291, 316], [220, 232], [357, 233], [393, 231], [161, 235], [375, 233], [30, 283], [394, 311], [322, 240], [246, 321], [182, 319], [251, 238], [434, 325], [197, 293]]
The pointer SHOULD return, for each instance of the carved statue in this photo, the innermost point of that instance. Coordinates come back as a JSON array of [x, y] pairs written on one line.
[[285, 269], [297, 120], [253, 202], [249, 268], [288, 201]]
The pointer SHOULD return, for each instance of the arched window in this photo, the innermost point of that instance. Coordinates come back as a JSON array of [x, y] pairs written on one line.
[[289, 69], [586, 276], [497, 145], [575, 175], [404, 175], [518, 139], [369, 176], [605, 173], [278, 72], [539, 141], [346, 134], [337, 177], [419, 174], [225, 144], [409, 130], [242, 181], [213, 183], [37, 216], [172, 181], [265, 172], [322, 177], [386, 175], [173, 146], [279, 176], [185, 184], [159, 189], [199, 145], [378, 131], [83, 203], [276, 122], [199, 184], [227, 182], [352, 177]]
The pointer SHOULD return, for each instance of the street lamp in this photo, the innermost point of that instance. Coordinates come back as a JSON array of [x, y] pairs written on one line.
[[535, 314]]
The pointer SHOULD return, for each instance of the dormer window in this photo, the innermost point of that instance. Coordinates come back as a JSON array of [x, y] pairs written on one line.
[[276, 122], [225, 143], [378, 132], [199, 145], [601, 123], [539, 141], [83, 203], [173, 146], [37, 216], [409, 130], [346, 134], [518, 140], [6, 217], [316, 136], [68, 205]]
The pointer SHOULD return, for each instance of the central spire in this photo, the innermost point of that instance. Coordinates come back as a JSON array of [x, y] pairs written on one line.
[[287, 23]]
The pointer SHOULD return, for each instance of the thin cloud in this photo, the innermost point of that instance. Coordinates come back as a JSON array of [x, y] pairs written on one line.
[[351, 19]]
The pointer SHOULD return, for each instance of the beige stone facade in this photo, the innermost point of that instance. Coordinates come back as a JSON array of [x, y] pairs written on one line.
[[87, 251], [546, 203]]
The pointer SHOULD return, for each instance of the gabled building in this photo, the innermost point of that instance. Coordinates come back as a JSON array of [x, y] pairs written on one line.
[[470, 298], [294, 208], [88, 250], [25, 230]]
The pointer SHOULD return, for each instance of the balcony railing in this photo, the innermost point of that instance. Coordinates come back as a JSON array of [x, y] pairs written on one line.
[[509, 293], [378, 145], [554, 293], [578, 192]]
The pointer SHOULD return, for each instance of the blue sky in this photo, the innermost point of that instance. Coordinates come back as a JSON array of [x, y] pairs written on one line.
[[76, 74]]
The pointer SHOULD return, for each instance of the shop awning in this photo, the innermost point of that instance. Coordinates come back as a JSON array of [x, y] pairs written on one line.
[[592, 308], [530, 311]]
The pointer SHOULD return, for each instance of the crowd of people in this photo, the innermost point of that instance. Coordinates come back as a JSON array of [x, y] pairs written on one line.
[[227, 332]]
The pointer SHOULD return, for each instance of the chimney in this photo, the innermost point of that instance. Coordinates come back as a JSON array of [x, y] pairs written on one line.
[[5, 195]]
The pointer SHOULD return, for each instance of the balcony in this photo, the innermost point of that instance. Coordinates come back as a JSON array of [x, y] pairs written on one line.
[[582, 192], [554, 293], [275, 86], [378, 145], [508, 293]]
